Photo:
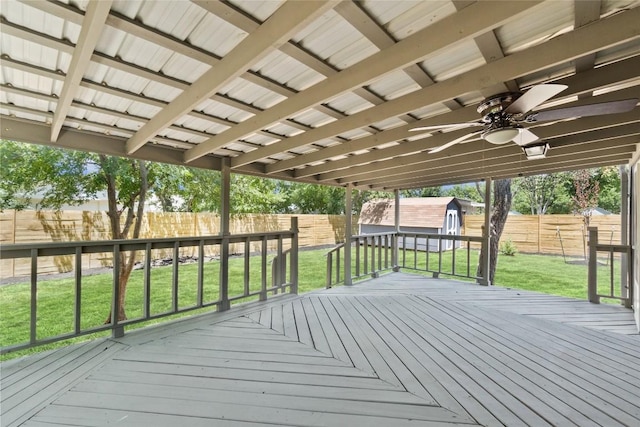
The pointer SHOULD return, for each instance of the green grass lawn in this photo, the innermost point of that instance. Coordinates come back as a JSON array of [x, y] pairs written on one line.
[[56, 298]]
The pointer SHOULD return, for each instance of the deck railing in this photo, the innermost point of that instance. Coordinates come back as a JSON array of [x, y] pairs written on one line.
[[214, 292], [447, 254], [612, 251], [373, 254]]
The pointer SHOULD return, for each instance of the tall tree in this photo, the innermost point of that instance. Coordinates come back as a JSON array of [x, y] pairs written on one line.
[[610, 197], [184, 189], [64, 177], [587, 191], [538, 193], [316, 199], [250, 194], [473, 192], [502, 198], [422, 192]]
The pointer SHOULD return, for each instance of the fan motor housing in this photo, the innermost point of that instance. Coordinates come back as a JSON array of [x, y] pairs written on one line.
[[497, 104]]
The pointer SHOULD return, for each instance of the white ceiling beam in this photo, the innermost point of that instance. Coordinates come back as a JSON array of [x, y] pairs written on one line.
[[615, 30], [397, 160], [32, 69], [278, 29], [586, 12], [72, 139], [469, 22], [500, 157], [376, 34], [507, 159], [373, 165], [490, 48], [517, 168], [92, 24], [514, 172], [159, 38], [584, 82]]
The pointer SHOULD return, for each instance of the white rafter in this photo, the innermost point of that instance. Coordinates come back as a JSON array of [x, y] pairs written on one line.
[[275, 31], [469, 22], [92, 24], [600, 35]]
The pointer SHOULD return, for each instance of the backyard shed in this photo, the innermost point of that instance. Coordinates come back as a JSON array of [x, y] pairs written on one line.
[[423, 215]]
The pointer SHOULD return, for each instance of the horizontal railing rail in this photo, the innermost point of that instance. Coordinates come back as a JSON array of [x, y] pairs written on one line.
[[373, 254], [447, 254], [208, 291], [624, 251]]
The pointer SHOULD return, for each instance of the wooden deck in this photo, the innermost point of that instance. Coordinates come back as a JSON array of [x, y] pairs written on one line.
[[394, 351]]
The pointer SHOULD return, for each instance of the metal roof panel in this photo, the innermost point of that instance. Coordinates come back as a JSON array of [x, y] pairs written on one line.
[[403, 18]]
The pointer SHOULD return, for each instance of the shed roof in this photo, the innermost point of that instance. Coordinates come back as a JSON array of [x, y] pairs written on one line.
[[426, 212], [322, 92]]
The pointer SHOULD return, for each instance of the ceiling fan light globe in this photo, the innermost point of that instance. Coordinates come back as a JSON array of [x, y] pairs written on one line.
[[500, 136]]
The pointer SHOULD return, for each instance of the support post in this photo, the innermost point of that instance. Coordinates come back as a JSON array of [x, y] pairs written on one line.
[[225, 214], [396, 238], [117, 330], [624, 237], [592, 280], [486, 236], [348, 234], [294, 256]]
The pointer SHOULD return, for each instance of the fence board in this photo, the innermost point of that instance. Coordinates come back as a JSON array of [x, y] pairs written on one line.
[[543, 233], [47, 226], [530, 233]]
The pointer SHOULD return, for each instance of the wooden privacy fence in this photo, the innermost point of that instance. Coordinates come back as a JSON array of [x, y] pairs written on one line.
[[66, 226], [530, 233], [549, 234]]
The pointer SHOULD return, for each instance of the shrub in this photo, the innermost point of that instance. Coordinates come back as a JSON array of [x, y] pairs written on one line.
[[508, 248]]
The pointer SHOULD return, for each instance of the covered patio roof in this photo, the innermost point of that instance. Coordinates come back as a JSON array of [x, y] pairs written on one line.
[[319, 91]]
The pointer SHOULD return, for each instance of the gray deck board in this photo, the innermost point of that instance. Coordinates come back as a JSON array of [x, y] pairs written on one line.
[[398, 350]]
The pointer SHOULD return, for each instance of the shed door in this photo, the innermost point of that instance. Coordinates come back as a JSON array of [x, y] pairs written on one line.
[[451, 226]]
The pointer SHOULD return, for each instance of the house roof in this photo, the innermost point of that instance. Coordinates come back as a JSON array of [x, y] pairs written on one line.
[[424, 212], [317, 91]]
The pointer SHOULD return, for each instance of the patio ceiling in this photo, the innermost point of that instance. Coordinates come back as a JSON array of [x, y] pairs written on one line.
[[318, 91]]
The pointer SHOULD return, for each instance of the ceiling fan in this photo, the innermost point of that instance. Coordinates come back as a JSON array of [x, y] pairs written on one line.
[[504, 114]]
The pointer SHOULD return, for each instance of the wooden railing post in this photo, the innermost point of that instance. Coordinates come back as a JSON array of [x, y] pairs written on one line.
[[329, 269], [294, 256], [225, 231], [396, 221], [117, 331], [224, 274], [263, 270], [592, 281]]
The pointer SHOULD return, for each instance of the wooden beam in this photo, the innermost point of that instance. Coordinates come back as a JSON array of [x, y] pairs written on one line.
[[477, 170], [586, 12], [502, 158], [92, 24], [397, 160], [467, 23], [525, 168], [600, 35], [587, 81], [38, 133], [353, 13], [275, 31]]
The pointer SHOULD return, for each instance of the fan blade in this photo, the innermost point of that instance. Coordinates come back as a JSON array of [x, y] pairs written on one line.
[[602, 108], [525, 137], [449, 126], [534, 97], [455, 141]]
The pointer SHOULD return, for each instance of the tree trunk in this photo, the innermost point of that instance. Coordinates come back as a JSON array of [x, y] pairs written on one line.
[[501, 205], [120, 231]]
